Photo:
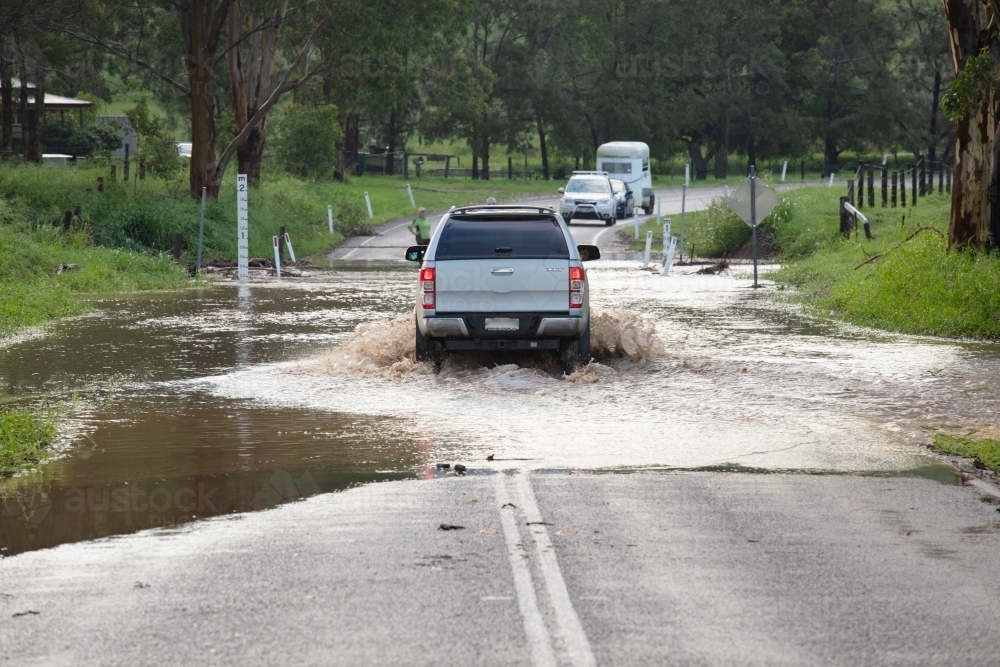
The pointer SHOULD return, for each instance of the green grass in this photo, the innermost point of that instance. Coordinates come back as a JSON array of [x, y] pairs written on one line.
[[32, 291], [918, 286], [986, 450], [25, 438]]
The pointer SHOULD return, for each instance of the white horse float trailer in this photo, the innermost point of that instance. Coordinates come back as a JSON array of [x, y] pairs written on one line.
[[629, 162]]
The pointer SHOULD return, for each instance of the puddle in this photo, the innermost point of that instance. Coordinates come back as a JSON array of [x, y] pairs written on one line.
[[235, 399]]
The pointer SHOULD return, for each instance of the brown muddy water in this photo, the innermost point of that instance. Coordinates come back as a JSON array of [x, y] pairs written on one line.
[[223, 400]]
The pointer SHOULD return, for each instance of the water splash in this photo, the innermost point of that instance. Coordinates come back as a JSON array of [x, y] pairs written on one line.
[[386, 348]]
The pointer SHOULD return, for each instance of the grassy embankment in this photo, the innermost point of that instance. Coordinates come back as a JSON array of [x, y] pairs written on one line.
[[916, 285], [984, 451]]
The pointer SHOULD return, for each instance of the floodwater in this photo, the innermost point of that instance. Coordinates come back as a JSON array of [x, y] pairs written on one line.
[[176, 407]]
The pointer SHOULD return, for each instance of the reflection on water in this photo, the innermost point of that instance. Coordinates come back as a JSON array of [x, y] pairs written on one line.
[[234, 399]]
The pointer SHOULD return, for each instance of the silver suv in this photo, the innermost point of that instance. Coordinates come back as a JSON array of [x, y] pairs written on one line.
[[588, 195], [503, 278]]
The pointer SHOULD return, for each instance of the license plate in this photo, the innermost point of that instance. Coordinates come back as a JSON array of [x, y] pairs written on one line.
[[502, 324]]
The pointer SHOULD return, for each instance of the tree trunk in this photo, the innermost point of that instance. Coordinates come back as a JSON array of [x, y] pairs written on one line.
[[975, 146], [485, 175], [831, 154], [544, 149], [7, 100], [391, 157], [475, 154], [698, 161], [201, 25], [935, 105]]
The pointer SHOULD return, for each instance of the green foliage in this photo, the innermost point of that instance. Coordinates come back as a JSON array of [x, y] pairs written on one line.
[[155, 146], [305, 139], [25, 437], [986, 450], [97, 139], [972, 88], [917, 285], [352, 219]]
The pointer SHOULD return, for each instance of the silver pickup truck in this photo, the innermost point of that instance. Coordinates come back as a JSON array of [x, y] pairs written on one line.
[[503, 278]]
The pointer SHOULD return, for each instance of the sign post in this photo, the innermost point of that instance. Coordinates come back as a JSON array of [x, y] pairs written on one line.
[[752, 201], [242, 227]]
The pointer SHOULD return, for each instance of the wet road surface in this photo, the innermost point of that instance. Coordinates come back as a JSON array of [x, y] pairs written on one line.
[[769, 470]]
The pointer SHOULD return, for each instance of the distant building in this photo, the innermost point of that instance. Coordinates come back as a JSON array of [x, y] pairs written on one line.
[[130, 140], [54, 104]]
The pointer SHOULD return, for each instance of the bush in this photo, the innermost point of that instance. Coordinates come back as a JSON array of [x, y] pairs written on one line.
[[155, 147], [352, 220], [25, 435], [306, 139], [94, 139]]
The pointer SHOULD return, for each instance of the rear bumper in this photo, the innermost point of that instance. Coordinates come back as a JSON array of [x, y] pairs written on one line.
[[533, 327]]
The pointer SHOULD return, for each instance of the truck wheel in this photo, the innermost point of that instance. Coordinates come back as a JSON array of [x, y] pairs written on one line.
[[569, 220], [428, 349], [648, 210], [575, 352], [610, 222]]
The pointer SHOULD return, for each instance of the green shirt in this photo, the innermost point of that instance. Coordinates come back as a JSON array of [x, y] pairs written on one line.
[[423, 227]]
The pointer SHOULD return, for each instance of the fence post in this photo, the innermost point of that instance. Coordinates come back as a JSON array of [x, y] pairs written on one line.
[[895, 184], [885, 186], [871, 185], [447, 166], [913, 187], [803, 171], [406, 165], [510, 168], [948, 180], [281, 247], [923, 177], [845, 218], [67, 219], [861, 185], [178, 244], [902, 188]]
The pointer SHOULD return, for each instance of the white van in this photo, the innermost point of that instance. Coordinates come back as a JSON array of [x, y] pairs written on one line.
[[629, 161]]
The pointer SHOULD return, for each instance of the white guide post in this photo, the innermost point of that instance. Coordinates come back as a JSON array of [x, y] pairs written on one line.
[[635, 223], [242, 229], [687, 174], [668, 254], [291, 250], [832, 174], [784, 171], [409, 192], [368, 202], [649, 246], [277, 255], [329, 216]]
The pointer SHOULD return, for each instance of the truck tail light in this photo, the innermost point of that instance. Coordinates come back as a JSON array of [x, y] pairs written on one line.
[[576, 278], [427, 292]]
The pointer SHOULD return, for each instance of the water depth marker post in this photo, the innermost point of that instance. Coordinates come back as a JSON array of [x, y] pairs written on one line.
[[242, 226]]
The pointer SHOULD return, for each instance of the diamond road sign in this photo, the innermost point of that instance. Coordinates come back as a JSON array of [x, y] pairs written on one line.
[[739, 201]]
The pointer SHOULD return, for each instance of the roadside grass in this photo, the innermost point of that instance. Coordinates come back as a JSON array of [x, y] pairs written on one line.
[[26, 435], [145, 215], [33, 291], [986, 451]]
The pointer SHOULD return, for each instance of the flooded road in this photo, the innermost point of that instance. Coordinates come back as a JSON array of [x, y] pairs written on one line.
[[235, 399]]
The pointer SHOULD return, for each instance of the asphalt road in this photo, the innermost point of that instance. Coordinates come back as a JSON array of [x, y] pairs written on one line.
[[550, 569], [392, 238]]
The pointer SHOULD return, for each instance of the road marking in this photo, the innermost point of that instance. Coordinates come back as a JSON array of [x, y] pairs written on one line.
[[539, 642], [574, 638], [380, 234]]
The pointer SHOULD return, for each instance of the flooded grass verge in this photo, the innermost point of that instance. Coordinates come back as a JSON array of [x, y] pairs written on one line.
[[26, 437], [984, 452], [904, 279]]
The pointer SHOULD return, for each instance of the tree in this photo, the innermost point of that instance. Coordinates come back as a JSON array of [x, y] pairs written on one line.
[[973, 103]]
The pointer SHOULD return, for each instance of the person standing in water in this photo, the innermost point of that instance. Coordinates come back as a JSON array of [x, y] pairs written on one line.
[[421, 227]]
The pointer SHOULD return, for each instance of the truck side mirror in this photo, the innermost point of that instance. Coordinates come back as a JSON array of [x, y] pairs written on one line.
[[415, 253], [561, 191], [588, 253]]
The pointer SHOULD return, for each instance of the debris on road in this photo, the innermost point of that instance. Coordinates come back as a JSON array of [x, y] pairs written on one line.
[[714, 269], [443, 466], [27, 613], [488, 531], [448, 526], [490, 457], [460, 469]]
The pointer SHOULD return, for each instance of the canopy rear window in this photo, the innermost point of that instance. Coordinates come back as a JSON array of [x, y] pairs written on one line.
[[502, 239]]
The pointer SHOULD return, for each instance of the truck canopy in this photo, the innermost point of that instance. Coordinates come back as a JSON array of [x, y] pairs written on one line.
[[635, 150]]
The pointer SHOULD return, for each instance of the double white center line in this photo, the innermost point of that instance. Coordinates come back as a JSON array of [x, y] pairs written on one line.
[[514, 494]]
